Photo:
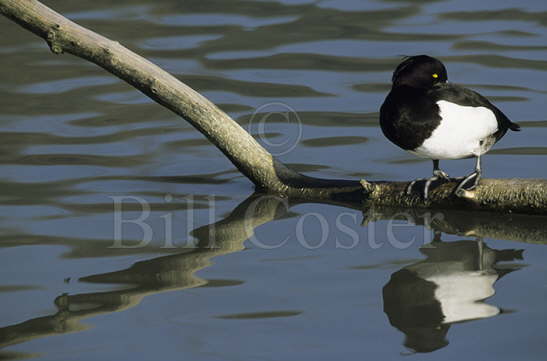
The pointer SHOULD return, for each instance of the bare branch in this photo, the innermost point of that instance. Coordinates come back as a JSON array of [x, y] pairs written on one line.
[[255, 162]]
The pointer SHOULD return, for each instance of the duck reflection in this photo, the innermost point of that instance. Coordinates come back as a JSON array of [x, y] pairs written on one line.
[[425, 298], [422, 299]]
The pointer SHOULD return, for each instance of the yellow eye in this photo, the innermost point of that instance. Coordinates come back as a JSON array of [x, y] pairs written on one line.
[[435, 75]]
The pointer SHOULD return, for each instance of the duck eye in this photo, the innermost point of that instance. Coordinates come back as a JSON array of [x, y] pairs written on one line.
[[435, 75]]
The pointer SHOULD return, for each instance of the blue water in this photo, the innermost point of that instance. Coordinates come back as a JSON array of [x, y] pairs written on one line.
[[276, 280]]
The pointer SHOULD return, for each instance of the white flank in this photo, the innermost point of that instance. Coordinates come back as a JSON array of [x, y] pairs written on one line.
[[460, 133]]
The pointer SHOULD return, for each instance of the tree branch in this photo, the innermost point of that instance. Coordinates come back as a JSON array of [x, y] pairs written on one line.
[[255, 162]]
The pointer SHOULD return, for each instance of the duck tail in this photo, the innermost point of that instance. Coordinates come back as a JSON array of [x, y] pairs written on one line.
[[514, 127]]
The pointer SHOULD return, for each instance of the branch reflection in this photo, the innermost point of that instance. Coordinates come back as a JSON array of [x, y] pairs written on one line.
[[422, 299], [161, 274]]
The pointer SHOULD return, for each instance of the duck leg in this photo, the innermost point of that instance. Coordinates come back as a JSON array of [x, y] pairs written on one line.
[[472, 179], [438, 174]]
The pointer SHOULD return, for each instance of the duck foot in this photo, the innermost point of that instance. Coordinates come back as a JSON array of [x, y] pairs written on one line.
[[438, 175], [468, 183]]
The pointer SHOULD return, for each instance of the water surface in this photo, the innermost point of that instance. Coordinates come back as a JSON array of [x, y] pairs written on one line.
[[228, 275]]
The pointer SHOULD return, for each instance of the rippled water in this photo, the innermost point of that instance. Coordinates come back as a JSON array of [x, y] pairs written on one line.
[[227, 275]]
